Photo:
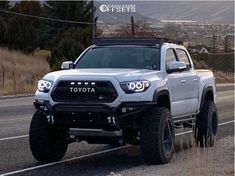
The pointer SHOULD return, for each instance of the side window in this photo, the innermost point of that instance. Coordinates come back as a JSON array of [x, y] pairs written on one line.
[[170, 56], [182, 56]]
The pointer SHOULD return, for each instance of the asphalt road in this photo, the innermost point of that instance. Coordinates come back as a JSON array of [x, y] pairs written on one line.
[[81, 158]]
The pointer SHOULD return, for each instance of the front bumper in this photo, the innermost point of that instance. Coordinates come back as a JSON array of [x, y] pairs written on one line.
[[92, 115]]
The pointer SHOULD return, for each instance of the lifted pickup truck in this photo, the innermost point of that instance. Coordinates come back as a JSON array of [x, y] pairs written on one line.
[[119, 91]]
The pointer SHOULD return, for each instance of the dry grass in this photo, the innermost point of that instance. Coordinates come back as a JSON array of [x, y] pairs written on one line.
[[224, 77], [42, 53], [21, 71]]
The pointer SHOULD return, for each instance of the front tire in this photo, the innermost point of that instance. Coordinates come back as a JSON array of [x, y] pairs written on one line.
[[48, 143], [157, 136], [207, 125]]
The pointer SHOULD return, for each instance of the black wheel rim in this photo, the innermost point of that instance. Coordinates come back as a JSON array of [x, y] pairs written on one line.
[[168, 138]]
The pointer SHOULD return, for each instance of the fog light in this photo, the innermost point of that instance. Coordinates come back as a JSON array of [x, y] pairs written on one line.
[[123, 109], [111, 120]]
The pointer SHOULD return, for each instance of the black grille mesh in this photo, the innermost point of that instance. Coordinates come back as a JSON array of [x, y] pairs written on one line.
[[105, 92]]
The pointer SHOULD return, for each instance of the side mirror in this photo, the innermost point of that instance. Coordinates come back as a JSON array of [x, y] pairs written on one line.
[[176, 66], [67, 65]]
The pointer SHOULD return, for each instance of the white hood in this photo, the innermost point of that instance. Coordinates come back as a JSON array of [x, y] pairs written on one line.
[[119, 74]]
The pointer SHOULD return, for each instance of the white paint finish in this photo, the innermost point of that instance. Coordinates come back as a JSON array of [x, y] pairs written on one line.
[[184, 107]]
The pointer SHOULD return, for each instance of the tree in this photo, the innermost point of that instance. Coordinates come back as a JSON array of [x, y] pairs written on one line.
[[3, 31], [4, 5], [22, 30], [68, 40], [65, 10], [69, 46]]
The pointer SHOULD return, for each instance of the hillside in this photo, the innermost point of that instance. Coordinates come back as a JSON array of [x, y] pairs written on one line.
[[19, 73]]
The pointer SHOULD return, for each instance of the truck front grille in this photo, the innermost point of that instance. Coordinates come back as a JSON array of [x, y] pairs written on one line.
[[84, 92]]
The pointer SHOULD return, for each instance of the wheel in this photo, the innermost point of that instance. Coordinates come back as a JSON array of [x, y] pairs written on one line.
[[48, 143], [157, 136], [206, 125]]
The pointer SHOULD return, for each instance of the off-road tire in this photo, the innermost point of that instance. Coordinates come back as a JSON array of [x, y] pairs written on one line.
[[48, 143], [152, 136], [206, 125]]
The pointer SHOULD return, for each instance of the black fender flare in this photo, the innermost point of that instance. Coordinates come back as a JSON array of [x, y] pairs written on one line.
[[157, 94], [204, 92]]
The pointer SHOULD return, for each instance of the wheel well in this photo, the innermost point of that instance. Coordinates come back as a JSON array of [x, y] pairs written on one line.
[[164, 101], [209, 96]]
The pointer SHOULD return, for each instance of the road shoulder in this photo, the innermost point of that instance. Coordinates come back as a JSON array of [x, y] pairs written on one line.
[[218, 160]]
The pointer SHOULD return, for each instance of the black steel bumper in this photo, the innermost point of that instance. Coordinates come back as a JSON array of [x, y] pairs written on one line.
[[123, 110], [92, 115]]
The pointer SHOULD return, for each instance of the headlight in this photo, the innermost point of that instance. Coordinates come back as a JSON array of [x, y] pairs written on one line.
[[135, 86], [44, 85]]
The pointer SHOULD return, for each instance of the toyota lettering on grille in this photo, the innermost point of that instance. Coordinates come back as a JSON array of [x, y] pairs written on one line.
[[82, 89]]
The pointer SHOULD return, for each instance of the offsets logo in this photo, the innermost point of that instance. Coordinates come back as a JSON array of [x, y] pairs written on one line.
[[104, 8], [119, 8]]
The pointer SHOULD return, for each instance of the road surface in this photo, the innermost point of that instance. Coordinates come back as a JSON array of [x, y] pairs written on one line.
[[81, 158]]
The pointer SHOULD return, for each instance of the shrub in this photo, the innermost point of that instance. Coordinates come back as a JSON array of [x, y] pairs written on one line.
[[68, 46]]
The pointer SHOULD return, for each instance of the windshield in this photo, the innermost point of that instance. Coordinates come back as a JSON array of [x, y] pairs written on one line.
[[135, 57]]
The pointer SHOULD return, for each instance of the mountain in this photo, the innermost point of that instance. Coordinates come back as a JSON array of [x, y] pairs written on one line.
[[201, 11]]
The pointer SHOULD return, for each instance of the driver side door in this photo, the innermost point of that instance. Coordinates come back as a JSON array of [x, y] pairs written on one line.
[[176, 85]]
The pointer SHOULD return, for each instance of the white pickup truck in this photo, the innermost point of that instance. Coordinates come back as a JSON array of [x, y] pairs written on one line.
[[119, 91]]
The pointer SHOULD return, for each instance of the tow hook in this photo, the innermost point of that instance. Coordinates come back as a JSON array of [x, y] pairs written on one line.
[[111, 120], [50, 119]]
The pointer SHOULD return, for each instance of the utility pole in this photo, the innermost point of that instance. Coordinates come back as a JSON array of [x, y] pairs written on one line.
[[95, 26], [132, 27], [93, 20]]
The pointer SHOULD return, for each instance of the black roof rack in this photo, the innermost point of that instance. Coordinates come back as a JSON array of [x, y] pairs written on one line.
[[133, 41]]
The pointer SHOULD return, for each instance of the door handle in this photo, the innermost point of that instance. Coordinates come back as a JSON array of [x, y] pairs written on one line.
[[183, 81], [195, 80]]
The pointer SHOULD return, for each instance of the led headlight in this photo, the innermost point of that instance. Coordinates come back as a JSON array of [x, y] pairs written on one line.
[[44, 85], [135, 86]]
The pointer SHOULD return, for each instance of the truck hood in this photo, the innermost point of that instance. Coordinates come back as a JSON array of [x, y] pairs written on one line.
[[119, 74]]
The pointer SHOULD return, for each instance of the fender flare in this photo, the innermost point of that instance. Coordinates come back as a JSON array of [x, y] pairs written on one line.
[[204, 92], [157, 94]]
